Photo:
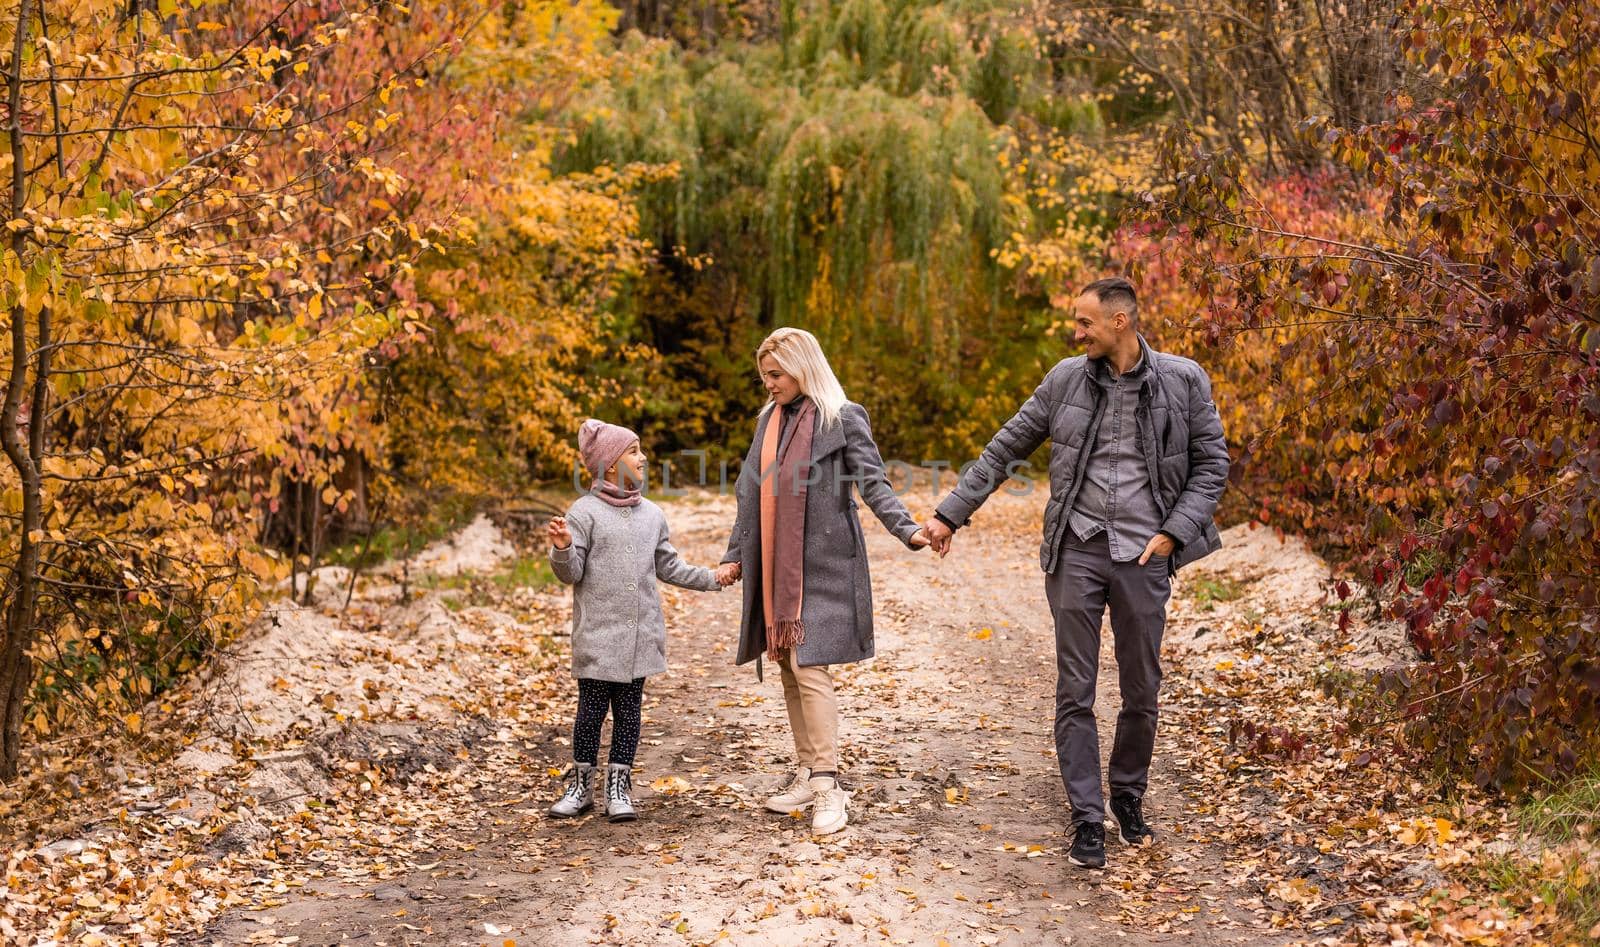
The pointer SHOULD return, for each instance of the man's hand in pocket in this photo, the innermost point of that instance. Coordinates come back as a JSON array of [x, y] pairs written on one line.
[[1159, 545]]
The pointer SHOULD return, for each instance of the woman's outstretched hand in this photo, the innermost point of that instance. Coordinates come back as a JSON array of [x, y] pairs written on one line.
[[938, 535], [728, 573], [919, 539]]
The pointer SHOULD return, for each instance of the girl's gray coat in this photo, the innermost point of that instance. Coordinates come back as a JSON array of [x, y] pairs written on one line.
[[617, 553], [837, 607]]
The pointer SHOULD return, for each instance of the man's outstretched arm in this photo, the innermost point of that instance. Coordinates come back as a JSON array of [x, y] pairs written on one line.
[[1016, 440]]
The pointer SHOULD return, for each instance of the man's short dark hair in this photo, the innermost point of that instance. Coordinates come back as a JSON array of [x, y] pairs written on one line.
[[1117, 293]]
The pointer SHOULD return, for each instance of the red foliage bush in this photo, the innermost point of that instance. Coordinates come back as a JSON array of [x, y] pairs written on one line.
[[1405, 349]]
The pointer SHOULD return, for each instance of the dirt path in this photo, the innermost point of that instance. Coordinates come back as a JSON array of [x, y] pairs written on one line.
[[957, 828]]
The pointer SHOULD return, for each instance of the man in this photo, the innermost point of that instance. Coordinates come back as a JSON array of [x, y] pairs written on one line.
[[1137, 465]]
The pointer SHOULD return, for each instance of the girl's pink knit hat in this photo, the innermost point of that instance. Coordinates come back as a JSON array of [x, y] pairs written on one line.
[[600, 444]]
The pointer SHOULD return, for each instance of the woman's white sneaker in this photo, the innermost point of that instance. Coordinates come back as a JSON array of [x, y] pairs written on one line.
[[828, 812], [793, 797]]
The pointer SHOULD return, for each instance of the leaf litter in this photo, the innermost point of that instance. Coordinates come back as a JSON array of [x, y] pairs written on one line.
[[386, 771]]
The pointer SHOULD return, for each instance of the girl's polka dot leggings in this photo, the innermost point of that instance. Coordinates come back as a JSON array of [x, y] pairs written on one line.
[[594, 697]]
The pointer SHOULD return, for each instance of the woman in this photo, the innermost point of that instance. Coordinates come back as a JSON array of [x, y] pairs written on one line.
[[798, 545]]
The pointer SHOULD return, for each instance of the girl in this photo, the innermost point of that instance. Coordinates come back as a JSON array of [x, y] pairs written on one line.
[[611, 547], [797, 537]]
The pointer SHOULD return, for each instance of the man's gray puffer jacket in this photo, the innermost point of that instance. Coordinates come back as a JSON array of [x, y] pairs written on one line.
[[1178, 427]]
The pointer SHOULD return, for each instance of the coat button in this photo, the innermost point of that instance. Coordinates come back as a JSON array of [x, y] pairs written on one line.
[[627, 512], [630, 549], [631, 587]]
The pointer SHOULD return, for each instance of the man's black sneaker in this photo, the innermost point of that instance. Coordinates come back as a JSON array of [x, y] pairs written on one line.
[[1130, 821], [1089, 846]]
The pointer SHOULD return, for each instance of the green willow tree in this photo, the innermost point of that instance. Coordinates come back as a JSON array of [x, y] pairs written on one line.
[[856, 176]]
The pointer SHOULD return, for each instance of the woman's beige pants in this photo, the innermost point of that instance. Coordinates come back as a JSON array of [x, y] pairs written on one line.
[[813, 714]]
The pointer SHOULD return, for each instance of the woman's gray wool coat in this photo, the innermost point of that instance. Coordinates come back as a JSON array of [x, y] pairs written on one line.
[[837, 606], [617, 553]]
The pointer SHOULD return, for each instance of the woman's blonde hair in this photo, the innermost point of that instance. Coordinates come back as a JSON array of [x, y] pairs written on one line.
[[797, 352]]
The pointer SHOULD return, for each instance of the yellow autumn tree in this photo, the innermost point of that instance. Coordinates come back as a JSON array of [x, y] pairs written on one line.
[[517, 338], [247, 244], [167, 331]]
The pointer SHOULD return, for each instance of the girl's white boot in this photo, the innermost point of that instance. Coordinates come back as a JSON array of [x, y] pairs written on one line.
[[579, 797]]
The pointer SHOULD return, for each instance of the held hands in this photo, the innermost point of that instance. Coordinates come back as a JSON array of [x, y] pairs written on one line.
[[1159, 545], [938, 535], [560, 535], [728, 573], [920, 539]]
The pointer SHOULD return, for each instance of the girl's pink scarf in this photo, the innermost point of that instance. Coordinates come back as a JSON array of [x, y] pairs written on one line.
[[615, 495], [783, 527]]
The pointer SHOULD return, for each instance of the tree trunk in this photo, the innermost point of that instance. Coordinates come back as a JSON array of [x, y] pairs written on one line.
[[1362, 52], [22, 583]]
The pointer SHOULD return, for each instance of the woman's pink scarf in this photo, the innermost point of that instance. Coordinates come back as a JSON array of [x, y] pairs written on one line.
[[783, 527]]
